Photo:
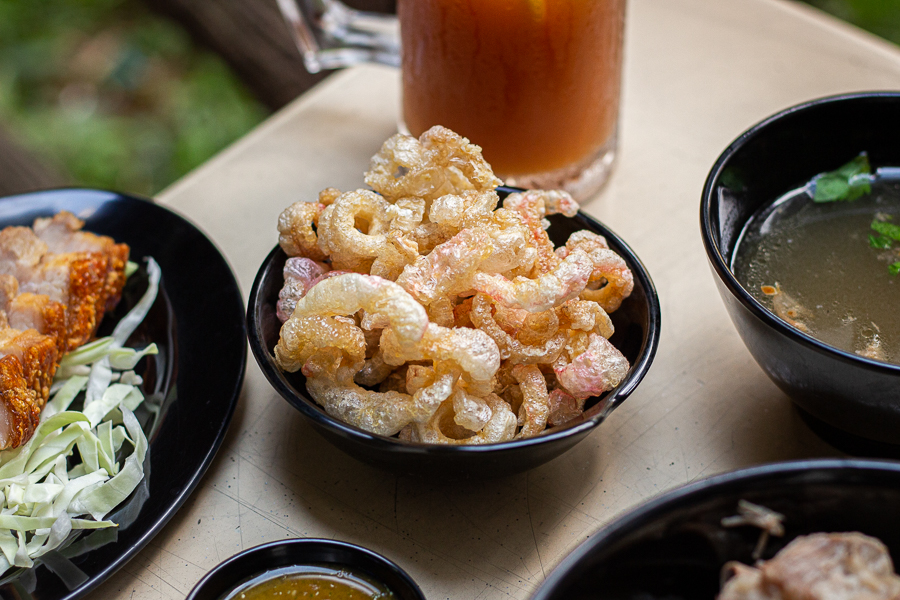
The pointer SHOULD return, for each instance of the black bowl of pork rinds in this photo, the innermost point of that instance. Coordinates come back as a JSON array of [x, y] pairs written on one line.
[[444, 324]]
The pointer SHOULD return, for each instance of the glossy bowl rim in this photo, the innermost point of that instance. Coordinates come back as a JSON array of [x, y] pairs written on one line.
[[720, 263], [614, 398], [653, 508], [263, 549]]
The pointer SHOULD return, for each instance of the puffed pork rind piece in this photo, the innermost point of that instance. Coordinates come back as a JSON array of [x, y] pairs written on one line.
[[362, 232], [385, 413], [511, 332], [589, 371], [329, 347], [297, 233], [300, 274], [610, 270], [500, 427], [469, 352], [439, 162]]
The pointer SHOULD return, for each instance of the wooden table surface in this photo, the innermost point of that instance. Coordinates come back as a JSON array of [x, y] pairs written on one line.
[[697, 74]]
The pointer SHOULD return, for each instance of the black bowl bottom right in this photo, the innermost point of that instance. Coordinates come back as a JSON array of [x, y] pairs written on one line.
[[849, 443], [677, 552]]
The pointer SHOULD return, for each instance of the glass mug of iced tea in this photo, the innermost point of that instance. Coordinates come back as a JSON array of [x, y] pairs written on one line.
[[535, 83]]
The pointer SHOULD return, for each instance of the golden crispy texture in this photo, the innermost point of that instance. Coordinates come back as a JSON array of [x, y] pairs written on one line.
[[85, 300], [20, 409], [56, 282], [439, 162], [38, 312], [473, 327], [36, 353], [297, 228], [92, 257]]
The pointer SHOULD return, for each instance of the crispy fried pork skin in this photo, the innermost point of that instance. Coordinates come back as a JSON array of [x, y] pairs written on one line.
[[83, 271], [81, 277], [56, 282], [821, 566], [63, 235], [38, 356], [28, 361], [20, 411], [38, 312]]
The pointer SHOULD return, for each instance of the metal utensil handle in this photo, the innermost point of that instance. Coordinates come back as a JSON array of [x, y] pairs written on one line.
[[331, 35]]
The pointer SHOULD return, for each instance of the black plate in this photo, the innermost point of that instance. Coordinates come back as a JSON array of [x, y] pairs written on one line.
[[197, 322], [674, 547], [637, 324]]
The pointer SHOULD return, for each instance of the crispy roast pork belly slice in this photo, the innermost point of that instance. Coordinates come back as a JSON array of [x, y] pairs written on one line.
[[31, 311], [20, 410], [20, 250], [38, 312], [38, 355], [62, 234], [28, 360], [56, 282], [78, 280], [32, 333]]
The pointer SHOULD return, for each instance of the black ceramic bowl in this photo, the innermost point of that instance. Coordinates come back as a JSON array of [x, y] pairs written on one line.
[[637, 324], [249, 564], [674, 547], [842, 391]]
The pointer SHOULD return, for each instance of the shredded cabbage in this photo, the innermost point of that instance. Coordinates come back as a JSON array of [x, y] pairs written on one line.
[[45, 494]]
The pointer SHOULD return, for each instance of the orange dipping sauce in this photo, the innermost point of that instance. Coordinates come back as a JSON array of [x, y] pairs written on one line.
[[312, 582], [535, 83]]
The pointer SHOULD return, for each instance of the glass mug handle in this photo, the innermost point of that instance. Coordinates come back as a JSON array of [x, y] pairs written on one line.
[[331, 35]]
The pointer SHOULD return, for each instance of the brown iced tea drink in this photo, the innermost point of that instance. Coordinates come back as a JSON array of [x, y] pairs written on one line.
[[535, 83]]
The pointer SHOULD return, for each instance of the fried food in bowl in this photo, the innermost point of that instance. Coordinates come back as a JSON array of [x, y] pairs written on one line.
[[442, 310]]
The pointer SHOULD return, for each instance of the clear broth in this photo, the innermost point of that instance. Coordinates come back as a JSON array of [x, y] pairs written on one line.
[[819, 255]]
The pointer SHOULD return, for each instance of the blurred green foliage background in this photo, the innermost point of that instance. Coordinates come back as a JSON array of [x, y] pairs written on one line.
[[881, 17], [112, 95], [116, 97]]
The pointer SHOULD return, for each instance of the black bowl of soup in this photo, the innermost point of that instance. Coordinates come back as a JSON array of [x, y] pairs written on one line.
[[675, 547], [806, 273], [307, 568]]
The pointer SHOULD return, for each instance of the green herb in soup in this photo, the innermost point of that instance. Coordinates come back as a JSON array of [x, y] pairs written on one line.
[[847, 183], [888, 233], [887, 230], [830, 268], [312, 582]]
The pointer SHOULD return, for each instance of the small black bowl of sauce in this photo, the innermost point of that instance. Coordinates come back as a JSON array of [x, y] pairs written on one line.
[[307, 568]]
